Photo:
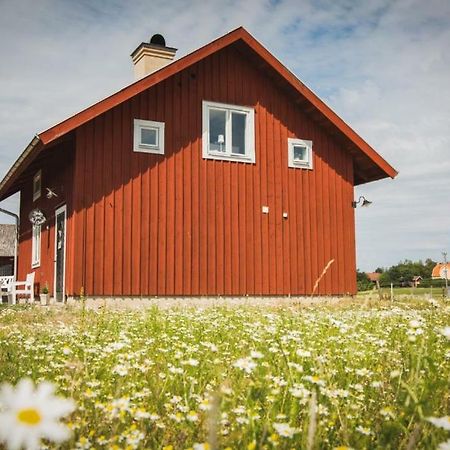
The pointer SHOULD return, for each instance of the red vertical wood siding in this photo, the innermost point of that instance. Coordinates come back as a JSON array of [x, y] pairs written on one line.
[[178, 224]]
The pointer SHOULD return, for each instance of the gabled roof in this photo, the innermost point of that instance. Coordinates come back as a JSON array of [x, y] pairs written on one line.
[[439, 271], [369, 165], [373, 276]]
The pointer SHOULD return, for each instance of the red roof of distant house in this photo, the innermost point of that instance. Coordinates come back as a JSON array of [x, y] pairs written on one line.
[[373, 276], [439, 271], [369, 165]]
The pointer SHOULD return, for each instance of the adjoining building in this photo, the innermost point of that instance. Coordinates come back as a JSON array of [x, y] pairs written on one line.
[[7, 243], [219, 173]]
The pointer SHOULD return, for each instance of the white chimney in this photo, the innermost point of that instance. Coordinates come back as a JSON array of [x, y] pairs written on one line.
[[152, 56]]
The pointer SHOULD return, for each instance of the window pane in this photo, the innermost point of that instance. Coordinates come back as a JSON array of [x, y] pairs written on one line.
[[149, 137], [238, 133], [217, 120], [300, 153]]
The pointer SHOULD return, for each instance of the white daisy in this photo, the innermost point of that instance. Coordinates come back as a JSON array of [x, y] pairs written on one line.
[[29, 414], [285, 430], [245, 364], [441, 422], [444, 445], [445, 332]]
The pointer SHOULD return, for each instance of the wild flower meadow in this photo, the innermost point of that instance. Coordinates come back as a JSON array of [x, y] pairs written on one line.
[[294, 378]]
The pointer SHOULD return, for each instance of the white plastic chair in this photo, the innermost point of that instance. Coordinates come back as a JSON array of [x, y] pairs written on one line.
[[28, 289]]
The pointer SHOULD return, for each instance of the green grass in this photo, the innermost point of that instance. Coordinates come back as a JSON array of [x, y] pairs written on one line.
[[171, 378], [418, 291]]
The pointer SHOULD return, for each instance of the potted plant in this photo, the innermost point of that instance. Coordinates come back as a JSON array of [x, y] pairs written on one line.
[[45, 296]]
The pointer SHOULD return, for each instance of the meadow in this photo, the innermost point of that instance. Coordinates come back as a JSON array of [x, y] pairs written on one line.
[[360, 376]]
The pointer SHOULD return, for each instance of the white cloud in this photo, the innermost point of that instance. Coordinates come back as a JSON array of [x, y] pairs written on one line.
[[382, 65]]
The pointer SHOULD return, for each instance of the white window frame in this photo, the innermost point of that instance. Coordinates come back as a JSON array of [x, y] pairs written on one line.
[[138, 146], [35, 246], [249, 156], [37, 178], [304, 164]]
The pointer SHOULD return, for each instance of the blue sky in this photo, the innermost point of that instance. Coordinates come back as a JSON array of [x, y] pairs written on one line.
[[383, 66]]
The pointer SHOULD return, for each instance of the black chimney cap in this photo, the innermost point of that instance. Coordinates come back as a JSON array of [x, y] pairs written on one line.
[[158, 39]]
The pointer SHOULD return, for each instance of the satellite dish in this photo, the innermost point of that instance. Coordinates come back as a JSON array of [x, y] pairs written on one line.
[[37, 217]]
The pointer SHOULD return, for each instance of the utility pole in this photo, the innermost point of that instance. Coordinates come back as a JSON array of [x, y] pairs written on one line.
[[444, 254]]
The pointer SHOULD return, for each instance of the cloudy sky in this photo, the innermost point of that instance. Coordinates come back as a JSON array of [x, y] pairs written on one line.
[[382, 65]]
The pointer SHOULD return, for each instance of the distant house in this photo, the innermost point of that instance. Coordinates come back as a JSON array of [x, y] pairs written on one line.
[[374, 277], [416, 281], [7, 249], [441, 271], [219, 173]]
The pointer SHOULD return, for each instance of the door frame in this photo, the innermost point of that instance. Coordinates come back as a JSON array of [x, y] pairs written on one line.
[[61, 209]]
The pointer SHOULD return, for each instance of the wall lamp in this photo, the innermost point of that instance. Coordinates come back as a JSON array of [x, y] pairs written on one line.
[[362, 199]]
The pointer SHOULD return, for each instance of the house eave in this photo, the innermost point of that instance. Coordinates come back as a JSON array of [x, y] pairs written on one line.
[[20, 164]]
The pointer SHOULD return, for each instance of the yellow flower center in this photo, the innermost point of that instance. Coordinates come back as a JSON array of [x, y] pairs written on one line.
[[29, 416]]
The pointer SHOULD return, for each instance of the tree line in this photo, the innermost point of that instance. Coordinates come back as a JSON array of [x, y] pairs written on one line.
[[401, 275]]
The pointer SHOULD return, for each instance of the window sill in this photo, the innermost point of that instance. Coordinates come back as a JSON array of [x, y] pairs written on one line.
[[153, 150], [232, 158]]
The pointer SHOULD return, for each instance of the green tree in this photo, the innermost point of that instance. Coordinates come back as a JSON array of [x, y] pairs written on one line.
[[363, 281]]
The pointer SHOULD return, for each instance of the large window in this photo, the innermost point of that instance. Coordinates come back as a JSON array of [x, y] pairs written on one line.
[[37, 182], [36, 246], [300, 153], [148, 136], [228, 132]]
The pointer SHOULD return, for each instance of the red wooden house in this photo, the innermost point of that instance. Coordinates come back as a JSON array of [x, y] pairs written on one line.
[[217, 174]]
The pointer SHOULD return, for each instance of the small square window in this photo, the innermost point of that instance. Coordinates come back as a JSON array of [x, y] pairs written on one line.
[[148, 136], [37, 181], [228, 132], [300, 153]]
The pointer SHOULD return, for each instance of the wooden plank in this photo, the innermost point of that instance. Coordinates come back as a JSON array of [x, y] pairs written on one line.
[[127, 198], [212, 168], [326, 213], [186, 187], [89, 205], [256, 182], [334, 280], [271, 198], [170, 173], [179, 185], [79, 211], [241, 169], [118, 201], [108, 253], [286, 186], [195, 124], [203, 207], [154, 110], [98, 205], [279, 186], [136, 195], [145, 166], [162, 199], [265, 260]]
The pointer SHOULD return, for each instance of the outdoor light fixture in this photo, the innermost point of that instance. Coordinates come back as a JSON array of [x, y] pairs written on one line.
[[51, 193], [365, 202]]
